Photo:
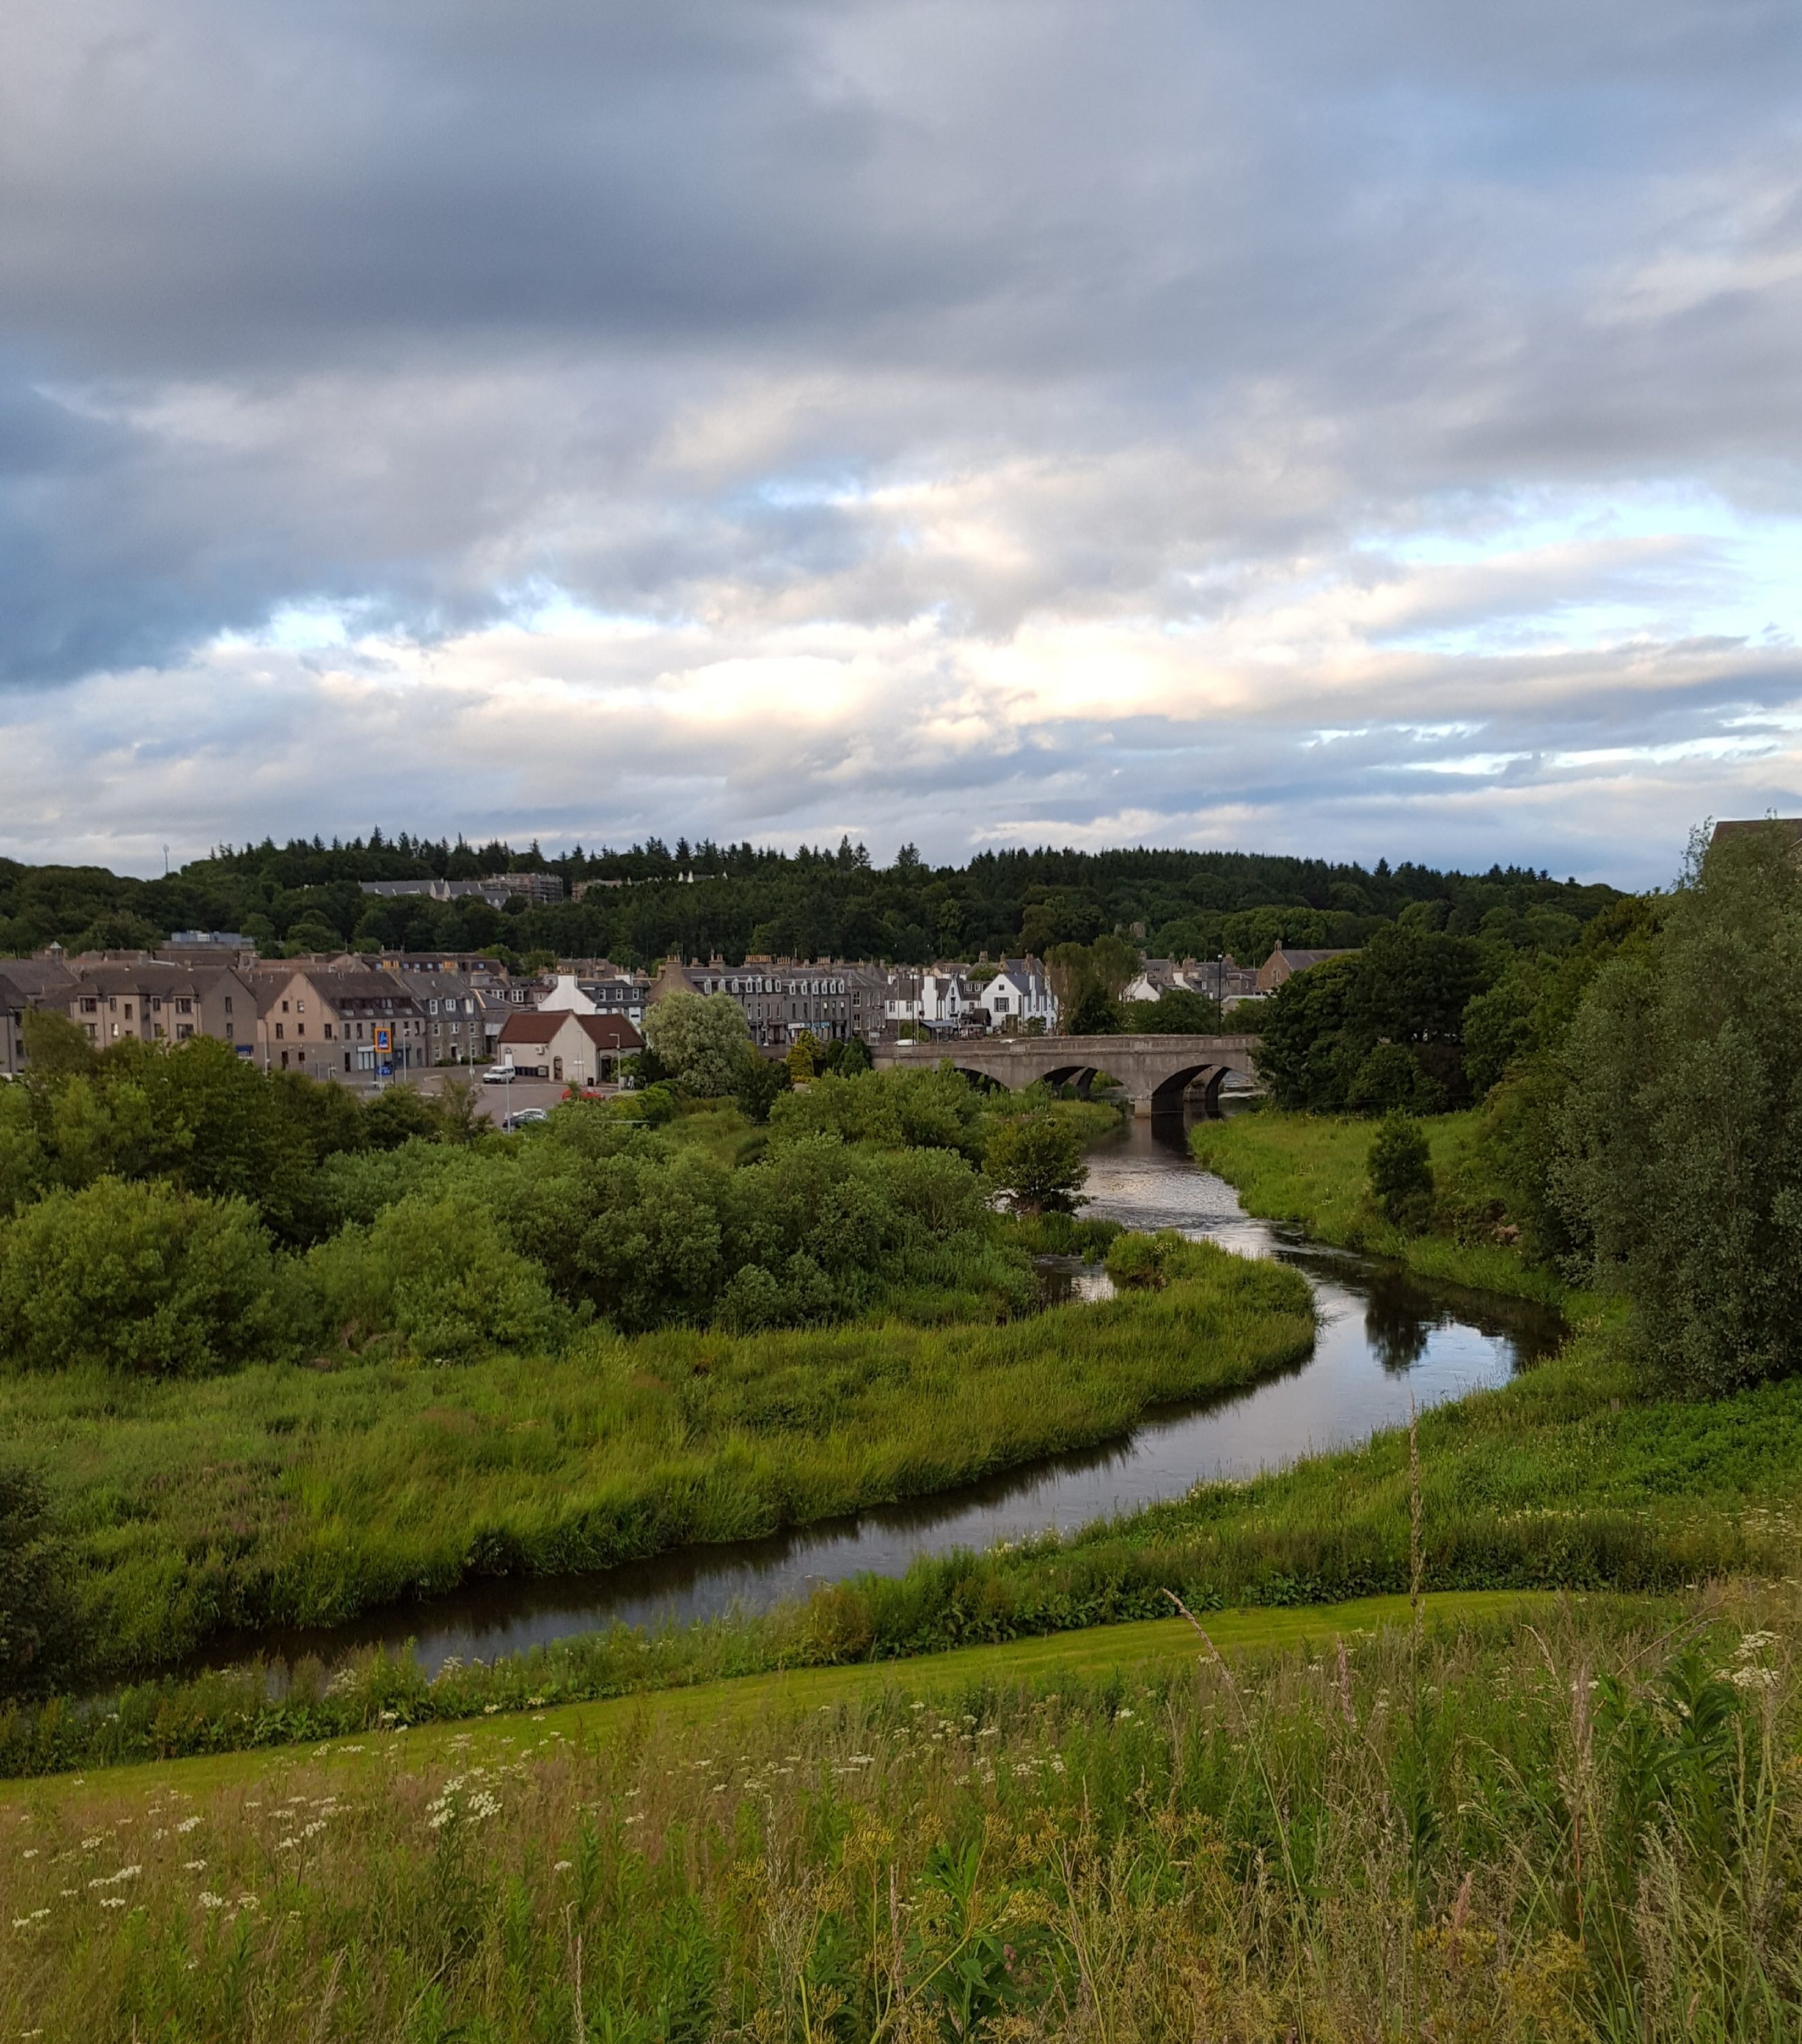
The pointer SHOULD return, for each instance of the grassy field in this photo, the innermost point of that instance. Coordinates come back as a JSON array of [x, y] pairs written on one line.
[[287, 1496], [1310, 1169], [1578, 1821]]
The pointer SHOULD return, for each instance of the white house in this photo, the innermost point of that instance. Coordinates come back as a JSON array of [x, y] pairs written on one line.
[[566, 997], [1019, 994], [938, 1000]]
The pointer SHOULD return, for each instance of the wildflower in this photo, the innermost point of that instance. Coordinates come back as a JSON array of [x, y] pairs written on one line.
[[186, 1825], [562, 1866], [112, 1902], [1123, 1714], [194, 1866], [29, 1853], [210, 1900]]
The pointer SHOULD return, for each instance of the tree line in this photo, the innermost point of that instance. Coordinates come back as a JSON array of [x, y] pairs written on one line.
[[700, 898]]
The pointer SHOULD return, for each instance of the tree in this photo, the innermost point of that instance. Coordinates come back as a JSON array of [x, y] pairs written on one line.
[[700, 1039], [1679, 1166], [1407, 988], [1178, 1011], [806, 1055], [1037, 1160], [1400, 1172], [761, 1083]]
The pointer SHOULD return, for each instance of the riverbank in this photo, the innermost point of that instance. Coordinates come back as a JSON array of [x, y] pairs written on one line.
[[1562, 1480], [1342, 1824], [283, 1496], [1311, 1170]]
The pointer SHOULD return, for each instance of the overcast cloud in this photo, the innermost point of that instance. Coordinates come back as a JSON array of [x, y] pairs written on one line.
[[1363, 427]]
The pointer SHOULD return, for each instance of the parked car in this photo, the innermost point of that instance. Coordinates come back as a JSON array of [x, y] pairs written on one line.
[[497, 1075], [524, 1114]]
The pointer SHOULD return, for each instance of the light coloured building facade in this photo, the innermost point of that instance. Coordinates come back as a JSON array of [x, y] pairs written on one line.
[[568, 1047], [332, 1023]]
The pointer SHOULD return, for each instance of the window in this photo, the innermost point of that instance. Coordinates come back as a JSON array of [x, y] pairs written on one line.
[[90, 1007], [227, 1009], [228, 1028], [279, 1030], [183, 1031], [284, 1007], [184, 1006], [128, 1011], [155, 1004]]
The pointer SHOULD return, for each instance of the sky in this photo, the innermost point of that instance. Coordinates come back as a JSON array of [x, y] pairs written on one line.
[[1355, 427]]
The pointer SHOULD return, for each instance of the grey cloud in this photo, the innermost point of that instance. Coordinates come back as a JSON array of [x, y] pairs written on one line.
[[428, 311]]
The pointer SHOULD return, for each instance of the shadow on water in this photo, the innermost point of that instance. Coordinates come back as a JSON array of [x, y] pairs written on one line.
[[1385, 1340]]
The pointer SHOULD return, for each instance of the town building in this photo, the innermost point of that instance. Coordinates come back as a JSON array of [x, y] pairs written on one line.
[[781, 997], [1020, 1000], [497, 890], [332, 1022], [599, 988], [156, 1001], [939, 1001], [571, 1048], [456, 1017], [1283, 965]]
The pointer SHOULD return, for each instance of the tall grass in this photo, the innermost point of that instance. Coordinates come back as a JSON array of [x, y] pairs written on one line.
[[283, 1496], [1311, 1169], [1583, 1828]]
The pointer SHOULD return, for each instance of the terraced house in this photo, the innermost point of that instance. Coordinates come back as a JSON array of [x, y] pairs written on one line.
[[781, 997], [157, 1002], [332, 1023]]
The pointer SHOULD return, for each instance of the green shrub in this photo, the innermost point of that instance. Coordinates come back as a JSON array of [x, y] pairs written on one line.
[[35, 1609], [138, 1277], [1401, 1173], [435, 1273], [1037, 1160]]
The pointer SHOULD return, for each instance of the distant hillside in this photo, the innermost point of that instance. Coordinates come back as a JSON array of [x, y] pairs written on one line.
[[304, 896]]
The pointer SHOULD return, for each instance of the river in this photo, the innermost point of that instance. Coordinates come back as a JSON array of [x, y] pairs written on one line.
[[1384, 1340]]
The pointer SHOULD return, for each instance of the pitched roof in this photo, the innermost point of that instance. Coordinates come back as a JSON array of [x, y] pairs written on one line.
[[539, 1025]]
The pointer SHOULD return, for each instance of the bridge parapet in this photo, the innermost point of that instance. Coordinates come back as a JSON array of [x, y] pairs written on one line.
[[1157, 1071]]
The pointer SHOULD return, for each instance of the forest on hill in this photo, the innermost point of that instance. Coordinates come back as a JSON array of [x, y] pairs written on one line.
[[653, 900]]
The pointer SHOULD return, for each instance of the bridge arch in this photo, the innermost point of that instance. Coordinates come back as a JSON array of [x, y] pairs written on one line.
[[1167, 1097]]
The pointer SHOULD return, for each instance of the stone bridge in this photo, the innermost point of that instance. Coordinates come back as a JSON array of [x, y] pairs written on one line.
[[1157, 1071]]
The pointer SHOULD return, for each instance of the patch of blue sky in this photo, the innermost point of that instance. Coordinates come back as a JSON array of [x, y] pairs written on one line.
[[1698, 565]]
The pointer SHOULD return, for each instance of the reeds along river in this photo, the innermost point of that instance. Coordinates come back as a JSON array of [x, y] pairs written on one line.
[[1384, 1340]]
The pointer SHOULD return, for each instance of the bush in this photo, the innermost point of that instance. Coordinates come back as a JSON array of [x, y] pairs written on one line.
[[435, 1273], [139, 1277], [1401, 1173], [35, 1610], [760, 1083], [1037, 1160]]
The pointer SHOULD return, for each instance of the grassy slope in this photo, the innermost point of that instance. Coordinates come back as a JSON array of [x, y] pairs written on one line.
[[1149, 1645], [283, 1495], [1368, 1838], [1310, 1169]]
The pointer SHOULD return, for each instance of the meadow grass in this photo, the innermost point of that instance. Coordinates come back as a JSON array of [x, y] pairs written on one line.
[[1311, 1169], [283, 1495], [1585, 1825]]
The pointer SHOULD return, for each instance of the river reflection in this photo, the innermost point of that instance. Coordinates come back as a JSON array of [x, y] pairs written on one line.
[[1383, 1341]]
